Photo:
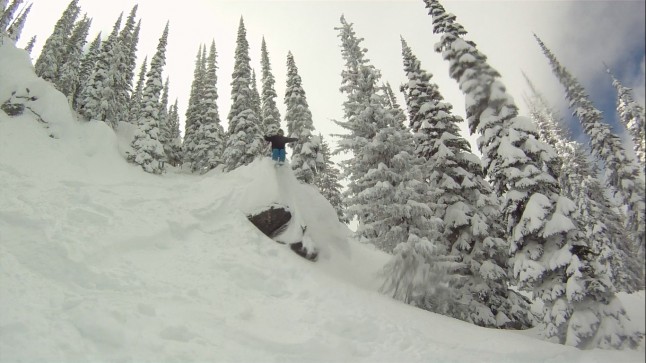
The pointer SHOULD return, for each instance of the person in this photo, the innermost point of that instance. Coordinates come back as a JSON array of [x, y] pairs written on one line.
[[278, 142]]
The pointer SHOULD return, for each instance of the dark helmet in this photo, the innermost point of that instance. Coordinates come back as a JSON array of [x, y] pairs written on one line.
[[280, 132]]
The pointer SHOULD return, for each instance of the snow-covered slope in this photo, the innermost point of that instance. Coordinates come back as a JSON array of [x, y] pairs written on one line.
[[100, 261]]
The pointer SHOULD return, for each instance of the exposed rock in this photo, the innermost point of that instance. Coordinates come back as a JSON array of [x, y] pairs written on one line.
[[271, 221], [15, 105], [12, 109], [303, 252]]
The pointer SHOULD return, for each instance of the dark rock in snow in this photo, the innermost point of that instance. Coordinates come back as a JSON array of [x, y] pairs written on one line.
[[271, 221], [303, 252], [12, 109]]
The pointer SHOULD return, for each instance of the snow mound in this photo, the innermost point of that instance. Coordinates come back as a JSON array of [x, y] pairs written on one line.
[[265, 185], [17, 79]]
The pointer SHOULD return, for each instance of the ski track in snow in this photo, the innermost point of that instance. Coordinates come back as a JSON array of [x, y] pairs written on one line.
[[101, 262]]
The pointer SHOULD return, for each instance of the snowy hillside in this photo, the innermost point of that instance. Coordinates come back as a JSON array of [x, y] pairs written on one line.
[[100, 261]]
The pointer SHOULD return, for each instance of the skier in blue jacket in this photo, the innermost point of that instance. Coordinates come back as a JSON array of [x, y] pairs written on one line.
[[278, 142]]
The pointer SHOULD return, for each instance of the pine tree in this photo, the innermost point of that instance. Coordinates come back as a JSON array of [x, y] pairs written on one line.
[[356, 70], [597, 215], [30, 45], [134, 104], [327, 181], [98, 98], [631, 115], [147, 149], [306, 159], [68, 81], [163, 101], [465, 203], [3, 8], [53, 52], [163, 114], [256, 104], [269, 115], [172, 136], [210, 134], [354, 57], [384, 190], [621, 172], [15, 29], [169, 127], [132, 55], [201, 105], [244, 137], [393, 105], [88, 62], [7, 14], [549, 257], [360, 134], [122, 69], [192, 122]]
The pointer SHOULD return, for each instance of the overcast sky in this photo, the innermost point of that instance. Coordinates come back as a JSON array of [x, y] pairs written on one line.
[[583, 35]]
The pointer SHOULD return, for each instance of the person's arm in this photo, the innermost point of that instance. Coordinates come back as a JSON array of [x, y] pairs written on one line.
[[291, 139], [267, 138]]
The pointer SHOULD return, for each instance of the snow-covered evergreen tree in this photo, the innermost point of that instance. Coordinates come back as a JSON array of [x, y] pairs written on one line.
[[621, 171], [172, 137], [256, 104], [361, 132], [270, 115], [122, 69], [7, 13], [53, 52], [68, 81], [631, 115], [88, 61], [163, 115], [356, 67], [602, 224], [3, 9], [201, 105], [306, 157], [163, 101], [107, 92], [134, 104], [192, 122], [15, 29], [393, 105], [147, 149], [30, 46], [169, 127], [134, 42], [354, 57], [466, 204], [549, 257], [598, 216], [209, 136], [327, 181], [384, 191], [98, 98], [244, 137]]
